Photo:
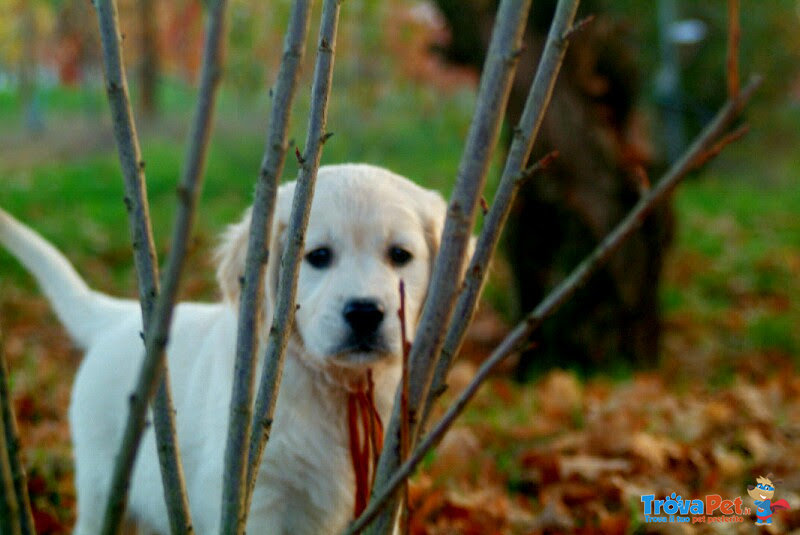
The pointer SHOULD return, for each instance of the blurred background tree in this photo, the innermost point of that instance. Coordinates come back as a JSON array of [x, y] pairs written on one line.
[[615, 79], [560, 216]]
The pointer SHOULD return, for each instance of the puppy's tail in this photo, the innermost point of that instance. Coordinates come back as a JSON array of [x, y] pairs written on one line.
[[81, 310]]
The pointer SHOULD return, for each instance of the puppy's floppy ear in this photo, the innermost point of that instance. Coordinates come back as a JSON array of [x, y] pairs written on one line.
[[283, 209], [231, 253], [230, 258], [433, 209]]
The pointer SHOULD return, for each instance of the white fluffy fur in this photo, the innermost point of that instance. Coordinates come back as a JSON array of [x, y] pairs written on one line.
[[305, 482]]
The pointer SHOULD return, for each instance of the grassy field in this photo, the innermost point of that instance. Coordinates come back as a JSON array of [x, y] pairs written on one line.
[[730, 297], [73, 195]]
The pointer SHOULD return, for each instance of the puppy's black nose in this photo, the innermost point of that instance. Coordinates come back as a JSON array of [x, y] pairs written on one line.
[[363, 315]]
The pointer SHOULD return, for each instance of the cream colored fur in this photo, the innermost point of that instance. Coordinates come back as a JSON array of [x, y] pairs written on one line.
[[305, 482]]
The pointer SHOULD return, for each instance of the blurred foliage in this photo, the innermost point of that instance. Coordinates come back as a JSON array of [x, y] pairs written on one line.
[[11, 26], [770, 45]]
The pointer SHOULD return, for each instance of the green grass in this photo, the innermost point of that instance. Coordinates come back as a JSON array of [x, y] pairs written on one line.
[[733, 270], [75, 200]]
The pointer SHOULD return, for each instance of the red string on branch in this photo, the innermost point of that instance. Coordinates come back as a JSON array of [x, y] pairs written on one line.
[[366, 440]]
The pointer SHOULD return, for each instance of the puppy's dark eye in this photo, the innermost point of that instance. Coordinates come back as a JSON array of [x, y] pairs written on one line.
[[320, 257], [399, 256]]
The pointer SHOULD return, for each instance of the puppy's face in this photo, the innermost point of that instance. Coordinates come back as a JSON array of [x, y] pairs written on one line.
[[360, 243], [368, 230]]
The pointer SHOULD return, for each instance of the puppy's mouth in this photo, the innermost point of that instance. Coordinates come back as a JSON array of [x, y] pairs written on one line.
[[357, 351]]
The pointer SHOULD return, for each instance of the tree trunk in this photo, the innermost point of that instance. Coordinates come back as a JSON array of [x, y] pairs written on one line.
[[560, 216]]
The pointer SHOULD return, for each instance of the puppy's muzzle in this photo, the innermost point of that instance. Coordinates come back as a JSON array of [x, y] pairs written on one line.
[[364, 316]]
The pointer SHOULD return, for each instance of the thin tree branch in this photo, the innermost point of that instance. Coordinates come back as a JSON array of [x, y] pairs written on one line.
[[718, 147], [188, 193], [525, 135], [156, 307], [132, 164], [295, 239], [734, 36], [130, 156], [579, 276], [17, 492], [9, 510], [577, 27], [493, 94], [235, 488], [404, 415]]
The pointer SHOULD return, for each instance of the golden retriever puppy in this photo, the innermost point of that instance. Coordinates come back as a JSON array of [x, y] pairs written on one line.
[[369, 228]]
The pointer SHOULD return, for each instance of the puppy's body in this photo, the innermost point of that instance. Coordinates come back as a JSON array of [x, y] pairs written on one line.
[[305, 482], [361, 217]]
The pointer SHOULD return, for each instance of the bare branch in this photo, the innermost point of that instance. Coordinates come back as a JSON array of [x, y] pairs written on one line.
[[9, 510], [513, 175], [295, 239], [156, 307], [642, 179], [130, 156], [717, 147], [577, 27], [517, 338], [188, 193], [141, 236], [492, 99], [15, 483], [405, 424], [235, 489], [476, 277], [734, 36], [542, 164]]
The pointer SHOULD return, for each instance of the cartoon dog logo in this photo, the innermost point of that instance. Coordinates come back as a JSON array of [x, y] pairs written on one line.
[[762, 494]]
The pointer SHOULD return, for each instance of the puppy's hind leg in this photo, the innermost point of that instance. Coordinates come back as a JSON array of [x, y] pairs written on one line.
[[91, 506]]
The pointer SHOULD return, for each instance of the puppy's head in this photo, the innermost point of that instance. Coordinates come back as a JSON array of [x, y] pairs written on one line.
[[369, 228]]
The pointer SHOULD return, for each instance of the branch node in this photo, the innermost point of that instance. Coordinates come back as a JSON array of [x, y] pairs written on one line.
[[183, 193], [514, 55], [577, 27], [484, 205], [439, 391], [537, 167], [642, 179]]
